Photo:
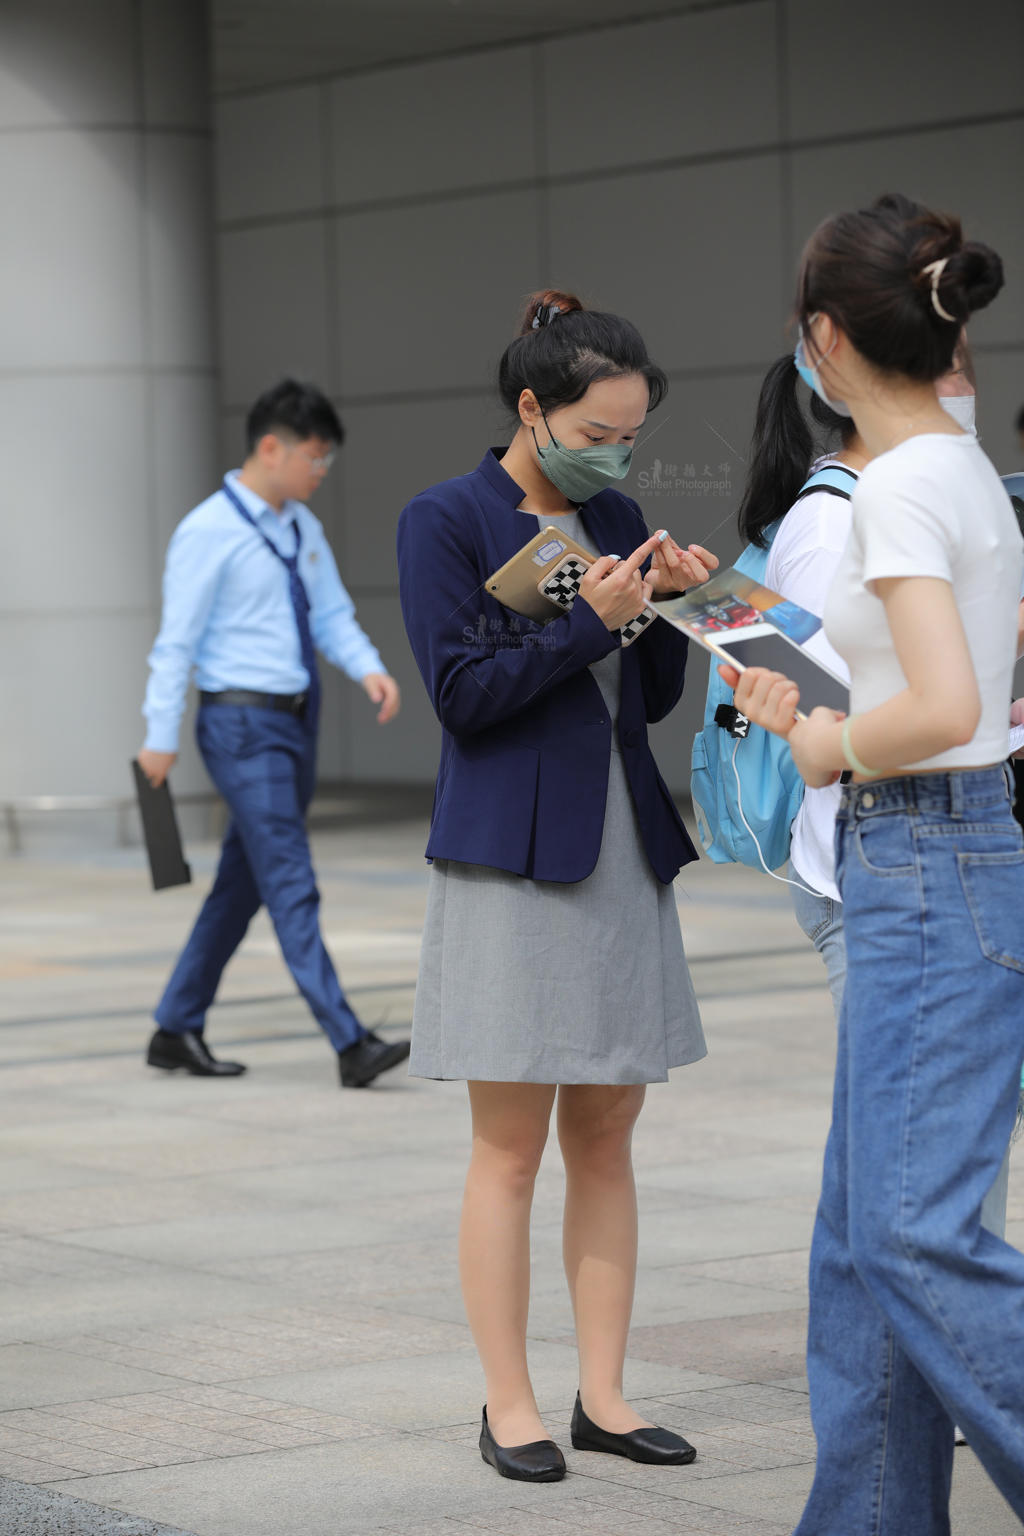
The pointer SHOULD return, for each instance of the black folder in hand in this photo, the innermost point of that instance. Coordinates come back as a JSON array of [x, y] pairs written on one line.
[[160, 828]]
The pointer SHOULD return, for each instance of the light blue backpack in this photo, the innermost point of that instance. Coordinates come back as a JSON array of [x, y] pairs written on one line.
[[746, 789]]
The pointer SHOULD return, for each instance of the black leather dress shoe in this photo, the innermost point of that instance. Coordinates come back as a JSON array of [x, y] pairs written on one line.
[[539, 1462], [188, 1052], [657, 1447], [368, 1058]]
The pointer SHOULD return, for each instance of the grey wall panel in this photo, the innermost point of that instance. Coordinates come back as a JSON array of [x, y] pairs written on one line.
[[1000, 398], [231, 444], [690, 465], [105, 397], [273, 300], [185, 465], [959, 169], [429, 294], [174, 63], [80, 238], [434, 127], [269, 153], [891, 65], [692, 256], [329, 506], [392, 453], [341, 699], [62, 62], [687, 85], [181, 327], [72, 547], [406, 750], [86, 716]]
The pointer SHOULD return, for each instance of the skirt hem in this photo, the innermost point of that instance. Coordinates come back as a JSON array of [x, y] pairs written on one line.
[[559, 1082]]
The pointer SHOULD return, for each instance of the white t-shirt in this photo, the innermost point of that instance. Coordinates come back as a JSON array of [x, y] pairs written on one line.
[[802, 563], [933, 506]]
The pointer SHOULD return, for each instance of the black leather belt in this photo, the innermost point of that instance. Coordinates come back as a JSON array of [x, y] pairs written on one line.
[[289, 703]]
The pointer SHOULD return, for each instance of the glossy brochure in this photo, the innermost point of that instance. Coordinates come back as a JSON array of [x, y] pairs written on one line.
[[746, 624]]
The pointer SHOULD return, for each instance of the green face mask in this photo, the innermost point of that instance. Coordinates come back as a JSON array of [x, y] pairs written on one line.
[[580, 473]]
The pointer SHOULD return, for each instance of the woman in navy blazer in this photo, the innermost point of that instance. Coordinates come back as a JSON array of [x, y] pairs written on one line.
[[552, 959]]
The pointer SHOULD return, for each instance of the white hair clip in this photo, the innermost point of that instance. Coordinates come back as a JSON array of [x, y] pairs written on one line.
[[934, 270]]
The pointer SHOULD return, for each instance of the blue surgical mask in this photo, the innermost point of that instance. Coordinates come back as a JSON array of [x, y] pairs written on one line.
[[812, 379], [580, 473]]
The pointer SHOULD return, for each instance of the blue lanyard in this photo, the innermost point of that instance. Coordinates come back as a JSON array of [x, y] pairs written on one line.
[[299, 598], [290, 561]]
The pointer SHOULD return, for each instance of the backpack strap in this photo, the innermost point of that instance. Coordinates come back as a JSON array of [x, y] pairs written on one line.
[[835, 479]]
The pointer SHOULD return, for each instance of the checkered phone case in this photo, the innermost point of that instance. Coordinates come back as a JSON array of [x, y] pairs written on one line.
[[562, 583]]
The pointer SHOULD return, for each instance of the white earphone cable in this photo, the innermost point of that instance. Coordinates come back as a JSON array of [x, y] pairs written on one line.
[[782, 879]]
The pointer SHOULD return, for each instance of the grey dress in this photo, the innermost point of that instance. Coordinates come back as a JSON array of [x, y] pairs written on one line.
[[534, 981]]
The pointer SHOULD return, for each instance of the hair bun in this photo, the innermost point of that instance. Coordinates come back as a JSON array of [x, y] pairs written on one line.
[[546, 305], [972, 277]]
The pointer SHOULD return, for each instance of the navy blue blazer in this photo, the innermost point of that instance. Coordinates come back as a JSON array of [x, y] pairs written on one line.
[[526, 735]]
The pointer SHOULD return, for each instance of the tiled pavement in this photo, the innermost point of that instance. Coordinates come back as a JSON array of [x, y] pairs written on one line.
[[231, 1309]]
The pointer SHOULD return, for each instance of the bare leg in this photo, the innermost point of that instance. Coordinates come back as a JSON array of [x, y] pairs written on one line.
[[510, 1128], [595, 1129]]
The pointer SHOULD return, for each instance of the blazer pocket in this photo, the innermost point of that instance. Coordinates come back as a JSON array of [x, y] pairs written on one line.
[[489, 805]]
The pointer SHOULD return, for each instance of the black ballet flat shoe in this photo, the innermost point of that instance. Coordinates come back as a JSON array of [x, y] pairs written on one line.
[[539, 1462], [656, 1447]]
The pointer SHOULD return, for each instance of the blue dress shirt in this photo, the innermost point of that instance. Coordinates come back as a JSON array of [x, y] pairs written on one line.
[[228, 615]]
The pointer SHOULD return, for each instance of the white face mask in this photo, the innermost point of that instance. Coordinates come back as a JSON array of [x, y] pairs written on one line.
[[961, 408]]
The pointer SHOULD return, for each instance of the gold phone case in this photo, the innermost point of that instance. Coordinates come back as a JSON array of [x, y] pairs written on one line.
[[515, 583]]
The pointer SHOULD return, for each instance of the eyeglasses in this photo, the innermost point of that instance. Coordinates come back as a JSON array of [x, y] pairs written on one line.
[[318, 465]]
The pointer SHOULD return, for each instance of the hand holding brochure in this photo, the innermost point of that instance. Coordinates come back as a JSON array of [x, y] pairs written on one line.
[[736, 618], [746, 624]]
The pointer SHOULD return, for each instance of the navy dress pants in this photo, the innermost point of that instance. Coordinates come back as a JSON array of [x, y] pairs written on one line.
[[263, 762]]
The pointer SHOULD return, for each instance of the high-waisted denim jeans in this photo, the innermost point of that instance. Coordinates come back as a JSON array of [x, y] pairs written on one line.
[[917, 1312], [821, 918]]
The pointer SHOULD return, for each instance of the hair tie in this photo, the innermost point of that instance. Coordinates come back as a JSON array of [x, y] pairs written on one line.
[[934, 270], [545, 315]]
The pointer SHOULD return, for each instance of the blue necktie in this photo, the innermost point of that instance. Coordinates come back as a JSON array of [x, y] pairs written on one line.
[[300, 602]]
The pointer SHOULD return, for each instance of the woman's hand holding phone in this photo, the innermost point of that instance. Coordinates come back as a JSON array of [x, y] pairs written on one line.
[[615, 589], [767, 698], [770, 700]]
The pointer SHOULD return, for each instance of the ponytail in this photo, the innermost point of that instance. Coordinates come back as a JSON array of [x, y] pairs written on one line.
[[780, 453], [782, 449]]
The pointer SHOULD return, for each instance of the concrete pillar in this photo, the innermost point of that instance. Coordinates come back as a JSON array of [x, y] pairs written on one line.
[[107, 369]]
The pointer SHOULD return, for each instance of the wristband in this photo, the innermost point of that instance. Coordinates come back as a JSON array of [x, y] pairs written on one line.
[[851, 756]]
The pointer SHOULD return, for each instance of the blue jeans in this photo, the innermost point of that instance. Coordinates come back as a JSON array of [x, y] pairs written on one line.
[[917, 1313], [264, 763], [821, 918]]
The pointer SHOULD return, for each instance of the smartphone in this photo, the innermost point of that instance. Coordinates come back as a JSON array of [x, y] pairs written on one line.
[[768, 648]]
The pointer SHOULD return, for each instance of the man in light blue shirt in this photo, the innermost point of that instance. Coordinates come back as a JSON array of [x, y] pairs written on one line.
[[251, 593]]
